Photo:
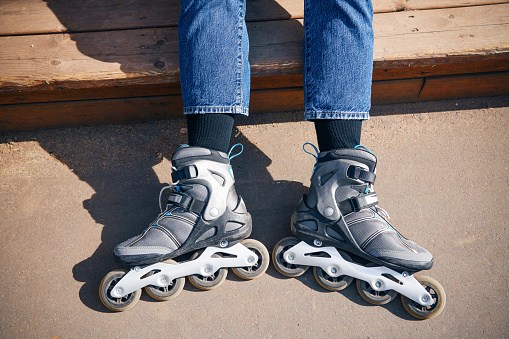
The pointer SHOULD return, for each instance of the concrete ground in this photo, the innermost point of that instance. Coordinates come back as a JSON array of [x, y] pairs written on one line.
[[68, 196]]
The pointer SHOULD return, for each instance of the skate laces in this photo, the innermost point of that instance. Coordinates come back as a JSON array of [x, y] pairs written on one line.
[[314, 155], [230, 157], [362, 146], [171, 185], [314, 148]]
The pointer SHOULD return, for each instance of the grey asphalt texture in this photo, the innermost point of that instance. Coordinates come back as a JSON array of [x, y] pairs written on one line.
[[68, 196]]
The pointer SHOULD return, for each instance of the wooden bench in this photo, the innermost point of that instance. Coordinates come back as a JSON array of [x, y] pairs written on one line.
[[68, 62]]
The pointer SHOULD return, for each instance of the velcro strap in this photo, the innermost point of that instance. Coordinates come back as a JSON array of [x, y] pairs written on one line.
[[358, 203], [187, 172], [359, 173], [186, 202]]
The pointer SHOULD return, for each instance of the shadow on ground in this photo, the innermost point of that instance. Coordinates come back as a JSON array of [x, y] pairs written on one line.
[[118, 162]]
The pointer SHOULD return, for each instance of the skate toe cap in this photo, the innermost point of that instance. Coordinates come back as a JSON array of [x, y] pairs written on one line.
[[132, 251]]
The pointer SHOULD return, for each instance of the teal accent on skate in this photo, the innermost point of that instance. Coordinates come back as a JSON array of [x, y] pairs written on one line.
[[367, 149], [314, 147], [235, 155]]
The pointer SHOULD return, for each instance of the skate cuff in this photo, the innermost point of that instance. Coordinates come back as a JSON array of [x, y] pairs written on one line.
[[186, 202], [187, 172], [358, 203], [359, 173]]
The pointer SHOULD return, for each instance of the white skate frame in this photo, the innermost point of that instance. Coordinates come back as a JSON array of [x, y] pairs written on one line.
[[204, 265], [301, 254]]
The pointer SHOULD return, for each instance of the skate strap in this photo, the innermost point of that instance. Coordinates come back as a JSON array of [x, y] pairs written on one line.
[[186, 202], [187, 172], [359, 173], [358, 203]]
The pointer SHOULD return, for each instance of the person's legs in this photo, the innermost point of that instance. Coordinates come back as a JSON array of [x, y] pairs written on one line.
[[338, 66], [214, 69], [203, 208], [341, 207]]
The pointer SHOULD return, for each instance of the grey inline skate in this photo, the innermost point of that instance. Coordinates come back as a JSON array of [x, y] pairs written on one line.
[[341, 212], [203, 211]]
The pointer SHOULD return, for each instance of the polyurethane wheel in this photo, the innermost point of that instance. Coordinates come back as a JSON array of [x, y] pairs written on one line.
[[283, 267], [437, 294], [116, 304], [167, 292], [333, 283], [374, 297], [210, 282], [255, 271]]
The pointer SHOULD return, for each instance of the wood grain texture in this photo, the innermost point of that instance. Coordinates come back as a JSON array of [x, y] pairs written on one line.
[[57, 16], [392, 91], [410, 39], [465, 86], [90, 112]]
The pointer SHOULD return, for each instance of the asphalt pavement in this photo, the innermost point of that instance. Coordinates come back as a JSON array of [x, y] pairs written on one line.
[[68, 196]]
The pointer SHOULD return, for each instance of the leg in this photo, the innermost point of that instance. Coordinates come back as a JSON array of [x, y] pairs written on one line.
[[214, 69], [203, 208], [341, 202]]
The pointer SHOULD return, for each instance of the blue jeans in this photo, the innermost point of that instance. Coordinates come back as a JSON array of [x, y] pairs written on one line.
[[338, 57]]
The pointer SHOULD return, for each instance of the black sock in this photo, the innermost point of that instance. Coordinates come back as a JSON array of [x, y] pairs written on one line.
[[337, 133], [213, 130]]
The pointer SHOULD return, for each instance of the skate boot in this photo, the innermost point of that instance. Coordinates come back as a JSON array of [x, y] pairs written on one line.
[[203, 212], [341, 213]]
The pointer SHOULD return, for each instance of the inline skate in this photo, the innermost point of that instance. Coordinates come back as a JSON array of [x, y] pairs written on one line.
[[340, 219], [204, 214]]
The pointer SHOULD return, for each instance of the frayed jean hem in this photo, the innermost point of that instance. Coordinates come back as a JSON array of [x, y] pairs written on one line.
[[337, 115], [217, 109]]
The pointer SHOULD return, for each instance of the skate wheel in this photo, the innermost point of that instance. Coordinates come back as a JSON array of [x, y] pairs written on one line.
[[116, 304], [437, 293], [211, 282], [374, 297], [168, 292], [286, 269], [333, 283], [255, 271]]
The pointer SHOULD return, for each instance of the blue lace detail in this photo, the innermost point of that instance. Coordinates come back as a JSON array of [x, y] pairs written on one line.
[[235, 155], [367, 149], [314, 147]]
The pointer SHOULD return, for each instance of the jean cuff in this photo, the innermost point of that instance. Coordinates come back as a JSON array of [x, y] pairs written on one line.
[[217, 109], [337, 115]]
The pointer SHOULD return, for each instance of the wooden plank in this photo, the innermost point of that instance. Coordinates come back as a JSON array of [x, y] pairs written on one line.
[[385, 6], [37, 59], [424, 67], [442, 32], [392, 91], [465, 86], [51, 16], [278, 100], [90, 112], [113, 60]]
